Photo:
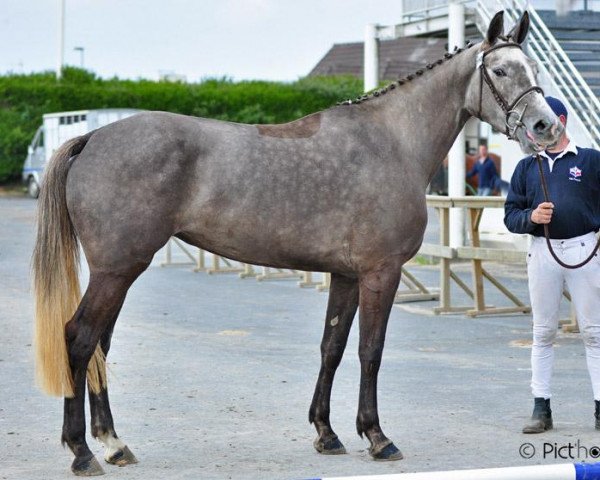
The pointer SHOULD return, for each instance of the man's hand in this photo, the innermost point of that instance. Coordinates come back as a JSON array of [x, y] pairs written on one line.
[[543, 213]]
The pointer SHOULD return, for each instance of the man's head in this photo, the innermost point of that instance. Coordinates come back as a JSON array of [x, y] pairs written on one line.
[[558, 108], [483, 151], [560, 111]]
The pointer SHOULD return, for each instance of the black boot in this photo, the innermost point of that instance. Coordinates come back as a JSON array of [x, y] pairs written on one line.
[[597, 414], [541, 419]]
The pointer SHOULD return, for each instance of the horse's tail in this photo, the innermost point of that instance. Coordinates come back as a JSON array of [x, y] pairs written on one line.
[[55, 267]]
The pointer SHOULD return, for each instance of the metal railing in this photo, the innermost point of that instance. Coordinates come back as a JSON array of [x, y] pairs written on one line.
[[545, 49], [427, 10], [425, 17]]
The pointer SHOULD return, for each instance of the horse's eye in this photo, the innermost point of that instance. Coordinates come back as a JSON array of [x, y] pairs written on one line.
[[499, 72]]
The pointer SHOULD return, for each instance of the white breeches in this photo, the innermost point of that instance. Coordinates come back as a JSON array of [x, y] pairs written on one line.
[[546, 282]]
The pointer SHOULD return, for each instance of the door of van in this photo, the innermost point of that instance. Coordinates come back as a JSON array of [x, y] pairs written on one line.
[[34, 164]]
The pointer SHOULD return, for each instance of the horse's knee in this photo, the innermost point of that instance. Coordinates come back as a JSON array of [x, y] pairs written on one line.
[[331, 357], [370, 356]]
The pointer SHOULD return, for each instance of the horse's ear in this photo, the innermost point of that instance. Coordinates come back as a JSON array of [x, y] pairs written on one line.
[[496, 28], [519, 31]]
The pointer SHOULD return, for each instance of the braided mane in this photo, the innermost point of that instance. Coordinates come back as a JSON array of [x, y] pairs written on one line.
[[401, 81]]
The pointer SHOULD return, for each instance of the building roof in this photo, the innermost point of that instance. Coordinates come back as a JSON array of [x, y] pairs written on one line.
[[397, 57]]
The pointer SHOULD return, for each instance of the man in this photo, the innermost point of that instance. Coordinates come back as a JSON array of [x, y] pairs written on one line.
[[573, 215], [486, 172]]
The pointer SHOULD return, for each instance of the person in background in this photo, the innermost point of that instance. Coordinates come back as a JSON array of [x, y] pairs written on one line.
[[486, 172], [573, 217]]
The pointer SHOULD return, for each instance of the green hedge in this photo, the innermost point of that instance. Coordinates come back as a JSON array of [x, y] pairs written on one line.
[[25, 98]]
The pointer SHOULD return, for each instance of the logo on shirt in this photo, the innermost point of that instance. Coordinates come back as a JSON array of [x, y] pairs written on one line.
[[575, 174]]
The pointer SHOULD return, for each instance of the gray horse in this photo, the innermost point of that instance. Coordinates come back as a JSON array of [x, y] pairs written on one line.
[[338, 191]]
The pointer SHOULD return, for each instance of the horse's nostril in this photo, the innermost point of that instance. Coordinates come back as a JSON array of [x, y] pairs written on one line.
[[541, 126]]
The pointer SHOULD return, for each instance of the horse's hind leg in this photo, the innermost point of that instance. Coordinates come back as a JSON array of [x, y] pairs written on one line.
[[102, 425], [341, 308], [99, 306]]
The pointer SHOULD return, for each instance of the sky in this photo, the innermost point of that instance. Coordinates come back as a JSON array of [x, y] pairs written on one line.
[[241, 39]]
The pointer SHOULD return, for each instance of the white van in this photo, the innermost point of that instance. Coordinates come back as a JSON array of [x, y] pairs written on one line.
[[56, 129]]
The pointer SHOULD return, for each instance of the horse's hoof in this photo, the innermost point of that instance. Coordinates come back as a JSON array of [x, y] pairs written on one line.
[[122, 457], [88, 467], [388, 453], [332, 446]]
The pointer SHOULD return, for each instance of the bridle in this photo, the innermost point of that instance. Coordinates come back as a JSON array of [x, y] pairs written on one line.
[[510, 111]]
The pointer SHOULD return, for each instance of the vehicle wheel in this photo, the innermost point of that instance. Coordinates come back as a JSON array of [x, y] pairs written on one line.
[[33, 189]]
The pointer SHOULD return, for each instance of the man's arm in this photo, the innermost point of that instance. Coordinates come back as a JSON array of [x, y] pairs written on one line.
[[474, 169], [493, 171], [517, 214]]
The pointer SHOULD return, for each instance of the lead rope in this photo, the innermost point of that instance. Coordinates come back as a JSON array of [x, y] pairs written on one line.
[[546, 229]]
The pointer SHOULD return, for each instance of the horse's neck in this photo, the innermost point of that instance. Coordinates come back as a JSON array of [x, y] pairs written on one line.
[[428, 114]]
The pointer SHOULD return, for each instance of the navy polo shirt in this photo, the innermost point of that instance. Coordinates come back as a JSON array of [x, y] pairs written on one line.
[[573, 188]]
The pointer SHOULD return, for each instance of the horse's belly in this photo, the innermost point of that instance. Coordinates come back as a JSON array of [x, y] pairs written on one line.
[[333, 240], [275, 250]]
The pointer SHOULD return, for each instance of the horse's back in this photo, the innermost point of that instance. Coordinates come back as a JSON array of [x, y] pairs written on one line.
[[305, 195]]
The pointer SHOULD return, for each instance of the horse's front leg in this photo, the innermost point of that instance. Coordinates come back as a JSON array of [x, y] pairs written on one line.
[[377, 291], [341, 308], [102, 426]]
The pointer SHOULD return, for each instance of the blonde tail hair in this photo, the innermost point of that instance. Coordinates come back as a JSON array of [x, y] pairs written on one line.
[[56, 280]]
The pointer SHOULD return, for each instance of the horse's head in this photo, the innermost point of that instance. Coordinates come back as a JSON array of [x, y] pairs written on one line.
[[503, 90]]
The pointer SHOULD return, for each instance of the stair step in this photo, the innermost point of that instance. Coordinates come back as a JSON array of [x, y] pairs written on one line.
[[571, 46], [583, 56], [591, 79], [586, 70], [586, 35], [595, 89], [580, 19]]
